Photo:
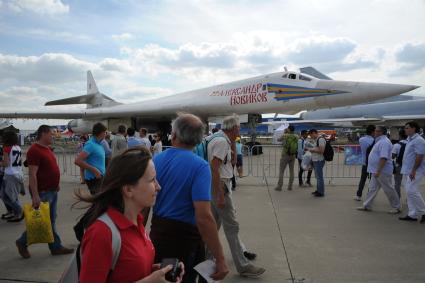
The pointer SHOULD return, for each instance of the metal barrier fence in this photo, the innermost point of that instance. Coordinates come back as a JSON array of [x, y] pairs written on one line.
[[265, 162], [264, 165]]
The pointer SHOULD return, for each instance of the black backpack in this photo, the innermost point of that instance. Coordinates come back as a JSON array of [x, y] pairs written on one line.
[[368, 150], [399, 159], [328, 153]]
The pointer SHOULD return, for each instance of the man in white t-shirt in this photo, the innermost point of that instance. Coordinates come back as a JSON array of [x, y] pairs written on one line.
[[143, 133], [220, 159]]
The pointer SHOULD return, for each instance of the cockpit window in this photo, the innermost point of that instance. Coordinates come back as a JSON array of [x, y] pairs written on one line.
[[292, 76], [304, 78], [285, 76]]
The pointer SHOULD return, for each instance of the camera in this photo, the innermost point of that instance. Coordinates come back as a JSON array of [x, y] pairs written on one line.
[[174, 273]]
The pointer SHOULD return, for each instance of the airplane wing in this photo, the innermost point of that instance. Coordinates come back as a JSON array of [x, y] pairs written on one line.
[[337, 120], [74, 114]]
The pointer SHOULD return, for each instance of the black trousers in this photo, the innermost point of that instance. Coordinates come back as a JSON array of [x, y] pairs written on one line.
[[300, 174], [362, 182], [176, 239], [94, 185]]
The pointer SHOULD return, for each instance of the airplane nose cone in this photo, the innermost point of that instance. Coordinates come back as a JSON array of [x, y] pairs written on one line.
[[398, 88]]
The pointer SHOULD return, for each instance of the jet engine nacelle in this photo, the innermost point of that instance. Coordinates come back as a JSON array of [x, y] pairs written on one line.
[[81, 126]]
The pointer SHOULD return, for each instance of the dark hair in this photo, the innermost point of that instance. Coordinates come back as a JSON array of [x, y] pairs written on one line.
[[291, 128], [121, 129], [214, 130], [402, 134], [131, 131], [43, 129], [413, 124], [124, 169], [313, 131], [303, 132], [382, 129], [98, 128], [370, 129], [10, 138], [144, 131]]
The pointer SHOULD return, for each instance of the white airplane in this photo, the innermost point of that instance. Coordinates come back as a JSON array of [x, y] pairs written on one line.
[[282, 92]]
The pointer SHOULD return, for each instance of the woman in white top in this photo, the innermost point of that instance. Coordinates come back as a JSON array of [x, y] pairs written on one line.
[[13, 181], [157, 147]]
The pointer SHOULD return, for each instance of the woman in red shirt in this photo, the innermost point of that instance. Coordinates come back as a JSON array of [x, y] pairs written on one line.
[[129, 186]]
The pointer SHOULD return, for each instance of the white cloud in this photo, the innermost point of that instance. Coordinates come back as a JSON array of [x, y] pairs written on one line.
[[122, 37], [42, 7], [50, 67], [412, 56]]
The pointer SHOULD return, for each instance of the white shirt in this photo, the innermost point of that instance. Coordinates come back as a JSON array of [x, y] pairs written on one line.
[[157, 148], [15, 161], [415, 146], [315, 156], [145, 142], [220, 148], [397, 146]]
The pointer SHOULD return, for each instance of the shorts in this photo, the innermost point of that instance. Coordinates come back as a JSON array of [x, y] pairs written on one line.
[[239, 160]]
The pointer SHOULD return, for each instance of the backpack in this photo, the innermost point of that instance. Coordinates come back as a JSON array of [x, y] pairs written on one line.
[[399, 159], [291, 144], [328, 153], [368, 150], [71, 273], [201, 149]]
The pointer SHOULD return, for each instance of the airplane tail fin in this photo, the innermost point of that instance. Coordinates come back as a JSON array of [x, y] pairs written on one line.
[[91, 84], [315, 73], [93, 98]]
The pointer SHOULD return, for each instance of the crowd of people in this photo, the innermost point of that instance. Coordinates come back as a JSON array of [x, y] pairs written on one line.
[[190, 197], [388, 165], [187, 195], [294, 147]]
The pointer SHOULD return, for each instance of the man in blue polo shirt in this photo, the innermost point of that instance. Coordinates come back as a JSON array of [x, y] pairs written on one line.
[[380, 166], [182, 219], [413, 170], [92, 158]]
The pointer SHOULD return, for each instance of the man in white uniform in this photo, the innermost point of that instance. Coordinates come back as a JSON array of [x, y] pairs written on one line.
[[413, 171], [380, 166]]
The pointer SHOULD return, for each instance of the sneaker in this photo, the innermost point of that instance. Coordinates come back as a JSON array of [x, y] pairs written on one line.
[[250, 256], [364, 208], [278, 189], [422, 219], [7, 215], [394, 211], [357, 198], [252, 271], [22, 250], [407, 218], [315, 192], [62, 251], [16, 218], [319, 195]]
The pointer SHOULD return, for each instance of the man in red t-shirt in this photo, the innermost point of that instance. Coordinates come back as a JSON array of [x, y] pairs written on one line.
[[44, 176]]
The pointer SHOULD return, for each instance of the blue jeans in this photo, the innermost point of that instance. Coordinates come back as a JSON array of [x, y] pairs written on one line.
[[52, 198], [318, 171], [9, 193]]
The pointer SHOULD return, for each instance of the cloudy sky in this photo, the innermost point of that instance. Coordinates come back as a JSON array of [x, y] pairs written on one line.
[[142, 49]]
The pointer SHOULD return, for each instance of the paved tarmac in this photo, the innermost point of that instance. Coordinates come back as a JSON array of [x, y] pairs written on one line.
[[298, 238]]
